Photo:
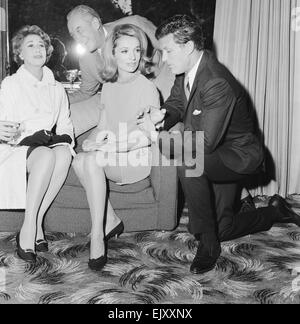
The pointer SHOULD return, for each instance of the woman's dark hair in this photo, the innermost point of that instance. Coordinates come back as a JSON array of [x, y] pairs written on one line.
[[59, 53], [22, 33]]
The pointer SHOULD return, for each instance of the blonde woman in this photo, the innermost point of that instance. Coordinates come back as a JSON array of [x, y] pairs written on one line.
[[35, 155], [124, 94]]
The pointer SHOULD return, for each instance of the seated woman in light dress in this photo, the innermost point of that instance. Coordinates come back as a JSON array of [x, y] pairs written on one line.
[[37, 138], [117, 137]]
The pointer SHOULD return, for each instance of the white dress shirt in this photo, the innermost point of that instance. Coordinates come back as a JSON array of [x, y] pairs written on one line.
[[190, 76]]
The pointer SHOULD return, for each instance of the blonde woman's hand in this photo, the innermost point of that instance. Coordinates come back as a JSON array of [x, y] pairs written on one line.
[[92, 146], [146, 125]]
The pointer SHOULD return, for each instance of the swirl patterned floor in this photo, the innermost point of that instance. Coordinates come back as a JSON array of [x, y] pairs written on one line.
[[153, 268]]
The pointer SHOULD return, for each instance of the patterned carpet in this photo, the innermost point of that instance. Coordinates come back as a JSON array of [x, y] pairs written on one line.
[[153, 268]]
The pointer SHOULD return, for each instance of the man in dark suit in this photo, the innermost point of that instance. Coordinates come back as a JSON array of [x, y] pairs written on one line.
[[207, 98]]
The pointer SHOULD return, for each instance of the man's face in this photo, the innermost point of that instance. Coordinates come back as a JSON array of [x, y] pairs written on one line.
[[176, 55], [84, 31]]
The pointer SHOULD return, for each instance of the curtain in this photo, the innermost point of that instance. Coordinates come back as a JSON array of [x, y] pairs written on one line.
[[259, 42], [3, 38]]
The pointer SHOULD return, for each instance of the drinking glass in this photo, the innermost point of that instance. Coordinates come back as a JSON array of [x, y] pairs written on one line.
[[71, 76], [14, 141]]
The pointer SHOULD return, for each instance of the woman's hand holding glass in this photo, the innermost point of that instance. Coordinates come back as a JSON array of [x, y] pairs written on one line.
[[9, 131]]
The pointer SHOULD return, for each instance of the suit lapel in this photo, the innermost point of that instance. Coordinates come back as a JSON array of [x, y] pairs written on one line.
[[189, 108], [198, 75]]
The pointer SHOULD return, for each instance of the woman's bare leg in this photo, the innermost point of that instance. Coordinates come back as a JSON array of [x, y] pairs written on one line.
[[40, 166], [93, 179], [114, 174], [63, 160]]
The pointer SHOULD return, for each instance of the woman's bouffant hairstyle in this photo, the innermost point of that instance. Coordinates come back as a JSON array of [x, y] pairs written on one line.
[[22, 33], [110, 71]]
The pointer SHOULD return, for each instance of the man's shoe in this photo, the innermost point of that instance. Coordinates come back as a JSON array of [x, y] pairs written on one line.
[[285, 213], [247, 204], [208, 252], [202, 265]]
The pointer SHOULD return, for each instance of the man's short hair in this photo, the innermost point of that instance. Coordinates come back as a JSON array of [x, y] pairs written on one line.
[[85, 11], [184, 28]]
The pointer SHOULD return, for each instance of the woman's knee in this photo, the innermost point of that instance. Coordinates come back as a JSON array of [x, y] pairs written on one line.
[[90, 161], [84, 163], [42, 156], [63, 157], [78, 163]]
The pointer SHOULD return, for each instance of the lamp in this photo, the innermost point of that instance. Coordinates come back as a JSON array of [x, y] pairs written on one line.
[[80, 50]]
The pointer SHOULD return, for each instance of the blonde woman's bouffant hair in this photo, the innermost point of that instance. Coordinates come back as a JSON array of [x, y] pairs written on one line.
[[22, 33], [110, 71]]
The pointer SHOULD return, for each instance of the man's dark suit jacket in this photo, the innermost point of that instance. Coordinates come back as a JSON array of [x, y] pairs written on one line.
[[218, 106]]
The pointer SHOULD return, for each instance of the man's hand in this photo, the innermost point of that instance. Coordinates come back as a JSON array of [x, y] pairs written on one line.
[[156, 115], [8, 130]]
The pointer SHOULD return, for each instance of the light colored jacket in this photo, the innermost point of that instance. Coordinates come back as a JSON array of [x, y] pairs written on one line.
[[37, 105]]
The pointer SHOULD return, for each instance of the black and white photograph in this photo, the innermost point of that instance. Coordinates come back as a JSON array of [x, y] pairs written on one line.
[[149, 154]]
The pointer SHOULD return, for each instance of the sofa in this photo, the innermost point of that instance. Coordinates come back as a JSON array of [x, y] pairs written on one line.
[[150, 204]]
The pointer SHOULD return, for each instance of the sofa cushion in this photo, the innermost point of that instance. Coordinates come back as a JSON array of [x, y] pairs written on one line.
[[75, 197], [73, 181]]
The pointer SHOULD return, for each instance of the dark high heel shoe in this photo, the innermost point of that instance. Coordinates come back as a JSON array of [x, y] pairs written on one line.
[[41, 246], [26, 255], [98, 264], [115, 232]]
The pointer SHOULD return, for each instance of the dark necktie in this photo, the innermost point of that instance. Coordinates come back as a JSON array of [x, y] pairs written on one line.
[[187, 88]]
